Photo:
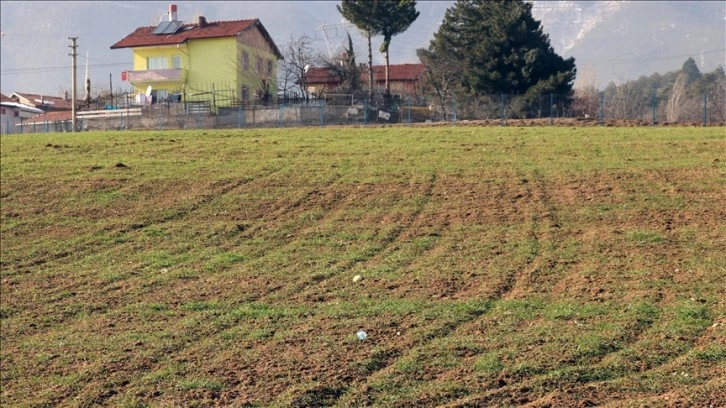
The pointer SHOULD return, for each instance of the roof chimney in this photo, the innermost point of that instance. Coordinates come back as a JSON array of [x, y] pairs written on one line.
[[202, 21], [172, 12]]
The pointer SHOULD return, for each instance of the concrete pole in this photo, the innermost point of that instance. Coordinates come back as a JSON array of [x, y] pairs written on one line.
[[74, 54]]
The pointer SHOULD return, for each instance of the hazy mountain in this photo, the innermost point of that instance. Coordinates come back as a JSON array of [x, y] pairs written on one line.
[[622, 40], [610, 40]]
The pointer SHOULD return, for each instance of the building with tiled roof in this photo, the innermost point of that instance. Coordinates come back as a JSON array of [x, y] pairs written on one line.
[[404, 78], [13, 113], [56, 121], [188, 60], [44, 102]]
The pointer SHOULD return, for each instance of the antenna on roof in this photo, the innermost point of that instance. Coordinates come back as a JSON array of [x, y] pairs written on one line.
[[332, 49]]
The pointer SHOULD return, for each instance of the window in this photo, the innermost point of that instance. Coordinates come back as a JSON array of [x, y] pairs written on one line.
[[269, 67], [259, 65], [2, 111], [161, 95], [176, 61], [245, 61], [245, 94], [157, 63]]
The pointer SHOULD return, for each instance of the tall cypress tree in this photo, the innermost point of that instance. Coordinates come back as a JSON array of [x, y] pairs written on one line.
[[362, 13], [379, 17], [392, 18], [501, 48]]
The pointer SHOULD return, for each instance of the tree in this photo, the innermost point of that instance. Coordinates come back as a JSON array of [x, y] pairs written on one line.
[[299, 57], [362, 13], [501, 48], [442, 77], [393, 17], [690, 69], [379, 17], [345, 68]]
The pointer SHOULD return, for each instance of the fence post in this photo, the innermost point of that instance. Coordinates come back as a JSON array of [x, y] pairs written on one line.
[[552, 109], [321, 112], [365, 111], [602, 109], [281, 113], [654, 104], [501, 110], [239, 116], [705, 109], [409, 111], [453, 112]]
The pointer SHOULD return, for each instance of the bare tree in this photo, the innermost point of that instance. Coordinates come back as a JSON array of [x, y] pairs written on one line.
[[442, 78], [585, 102], [299, 57], [677, 92]]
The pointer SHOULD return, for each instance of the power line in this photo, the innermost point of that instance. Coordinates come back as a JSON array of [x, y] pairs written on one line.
[[39, 70], [641, 59]]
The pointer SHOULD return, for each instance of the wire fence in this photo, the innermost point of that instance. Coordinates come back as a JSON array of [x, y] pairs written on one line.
[[197, 112]]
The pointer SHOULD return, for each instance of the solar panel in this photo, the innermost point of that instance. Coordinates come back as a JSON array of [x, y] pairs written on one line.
[[167, 27], [163, 26], [174, 26]]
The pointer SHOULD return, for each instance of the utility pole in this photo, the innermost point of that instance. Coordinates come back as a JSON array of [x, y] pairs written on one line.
[[74, 54]]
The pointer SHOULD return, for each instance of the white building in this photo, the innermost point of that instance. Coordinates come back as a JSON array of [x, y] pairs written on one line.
[[12, 114]]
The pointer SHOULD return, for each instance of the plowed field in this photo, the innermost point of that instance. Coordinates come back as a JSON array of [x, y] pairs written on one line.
[[497, 266]]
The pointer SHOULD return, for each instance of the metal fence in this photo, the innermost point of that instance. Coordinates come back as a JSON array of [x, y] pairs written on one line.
[[708, 109]]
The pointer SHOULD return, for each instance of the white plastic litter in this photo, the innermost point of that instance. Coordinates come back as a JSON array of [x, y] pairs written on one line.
[[362, 335]]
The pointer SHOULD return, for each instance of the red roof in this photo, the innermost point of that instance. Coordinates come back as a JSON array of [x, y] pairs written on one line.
[[5, 98], [51, 117], [400, 72], [46, 102], [321, 76], [144, 36]]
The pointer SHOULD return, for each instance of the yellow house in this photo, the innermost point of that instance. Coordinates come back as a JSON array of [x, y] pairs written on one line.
[[225, 62]]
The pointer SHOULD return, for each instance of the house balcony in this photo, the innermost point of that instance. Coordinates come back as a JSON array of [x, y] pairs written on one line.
[[157, 75]]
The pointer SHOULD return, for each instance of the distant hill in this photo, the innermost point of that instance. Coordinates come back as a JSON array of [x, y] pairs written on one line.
[[623, 40]]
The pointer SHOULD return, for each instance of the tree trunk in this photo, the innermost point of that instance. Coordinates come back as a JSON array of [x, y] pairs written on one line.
[[388, 85], [370, 67]]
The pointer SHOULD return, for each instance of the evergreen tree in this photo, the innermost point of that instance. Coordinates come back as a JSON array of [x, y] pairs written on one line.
[[362, 14], [500, 48], [345, 68], [690, 69], [392, 18], [379, 17]]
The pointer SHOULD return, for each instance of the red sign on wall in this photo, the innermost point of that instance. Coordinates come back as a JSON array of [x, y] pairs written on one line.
[[124, 75]]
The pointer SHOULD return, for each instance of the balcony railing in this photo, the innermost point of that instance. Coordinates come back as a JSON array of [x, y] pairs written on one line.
[[157, 75]]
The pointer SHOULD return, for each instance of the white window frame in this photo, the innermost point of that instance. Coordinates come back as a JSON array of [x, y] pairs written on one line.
[[157, 63]]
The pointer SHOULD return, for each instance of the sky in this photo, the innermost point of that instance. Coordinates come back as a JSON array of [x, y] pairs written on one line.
[[653, 36]]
